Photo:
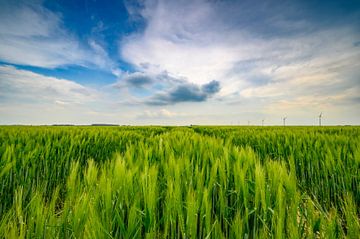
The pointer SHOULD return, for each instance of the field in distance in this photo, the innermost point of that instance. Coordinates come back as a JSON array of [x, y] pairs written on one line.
[[179, 182]]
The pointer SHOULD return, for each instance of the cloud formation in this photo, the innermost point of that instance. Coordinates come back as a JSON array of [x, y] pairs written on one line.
[[214, 61], [185, 92], [163, 89], [21, 86], [256, 51], [137, 80], [162, 113], [32, 35]]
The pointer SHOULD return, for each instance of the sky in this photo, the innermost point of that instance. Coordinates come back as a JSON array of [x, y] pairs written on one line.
[[180, 62]]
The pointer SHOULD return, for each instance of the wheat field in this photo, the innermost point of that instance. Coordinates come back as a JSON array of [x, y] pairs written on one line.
[[179, 182]]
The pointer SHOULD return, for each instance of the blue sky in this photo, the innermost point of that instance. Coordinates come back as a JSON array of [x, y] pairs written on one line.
[[179, 62]]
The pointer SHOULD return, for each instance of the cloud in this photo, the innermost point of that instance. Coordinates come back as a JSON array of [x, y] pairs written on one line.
[[242, 45], [186, 38], [266, 56], [21, 86], [101, 57], [162, 113], [30, 34], [138, 80], [185, 92], [31, 98], [346, 101], [61, 103], [164, 89], [174, 43], [211, 87]]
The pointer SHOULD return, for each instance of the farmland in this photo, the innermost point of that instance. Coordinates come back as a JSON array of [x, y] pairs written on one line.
[[179, 182]]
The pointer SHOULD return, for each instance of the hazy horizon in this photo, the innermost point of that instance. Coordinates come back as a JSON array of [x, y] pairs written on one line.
[[184, 62]]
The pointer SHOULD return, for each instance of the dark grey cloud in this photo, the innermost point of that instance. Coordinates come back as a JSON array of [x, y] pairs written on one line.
[[142, 80], [211, 87], [165, 89], [185, 92], [138, 80], [179, 89]]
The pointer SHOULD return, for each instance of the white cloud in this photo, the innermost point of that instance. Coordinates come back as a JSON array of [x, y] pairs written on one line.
[[31, 98], [176, 40], [162, 113], [196, 40], [101, 58], [61, 103], [326, 68], [25, 86], [32, 35]]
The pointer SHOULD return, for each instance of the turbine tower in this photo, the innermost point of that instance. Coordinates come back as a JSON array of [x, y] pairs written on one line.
[[284, 119], [320, 115], [262, 122]]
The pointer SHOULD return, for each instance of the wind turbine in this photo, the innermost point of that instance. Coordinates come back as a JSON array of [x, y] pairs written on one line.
[[284, 119], [320, 115], [262, 122]]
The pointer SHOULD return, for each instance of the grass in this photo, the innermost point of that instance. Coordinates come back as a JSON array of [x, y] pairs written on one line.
[[179, 182]]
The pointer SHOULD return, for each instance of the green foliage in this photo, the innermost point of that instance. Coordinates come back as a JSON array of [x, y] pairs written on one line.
[[179, 182]]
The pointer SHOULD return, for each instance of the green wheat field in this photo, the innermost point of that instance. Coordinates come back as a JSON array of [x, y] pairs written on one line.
[[179, 182]]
